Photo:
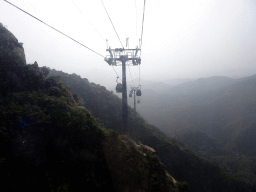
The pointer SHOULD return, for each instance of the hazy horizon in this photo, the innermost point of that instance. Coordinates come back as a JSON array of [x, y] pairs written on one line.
[[181, 39]]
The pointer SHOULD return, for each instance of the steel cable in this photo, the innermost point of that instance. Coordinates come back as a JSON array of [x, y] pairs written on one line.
[[54, 28], [112, 23]]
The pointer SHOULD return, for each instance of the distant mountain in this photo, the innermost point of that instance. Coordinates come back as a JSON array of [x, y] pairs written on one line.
[[197, 104], [158, 109], [201, 85], [158, 87], [215, 117], [176, 81]]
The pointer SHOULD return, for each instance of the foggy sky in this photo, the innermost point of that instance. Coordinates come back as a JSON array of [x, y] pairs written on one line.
[[182, 38]]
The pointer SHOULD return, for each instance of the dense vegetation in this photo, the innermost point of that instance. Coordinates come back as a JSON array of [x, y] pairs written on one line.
[[183, 165], [49, 143]]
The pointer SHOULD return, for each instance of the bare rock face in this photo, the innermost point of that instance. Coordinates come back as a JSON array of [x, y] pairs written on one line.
[[19, 52], [10, 42]]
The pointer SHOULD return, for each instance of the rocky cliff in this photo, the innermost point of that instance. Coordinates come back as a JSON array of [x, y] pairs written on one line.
[[7, 38]]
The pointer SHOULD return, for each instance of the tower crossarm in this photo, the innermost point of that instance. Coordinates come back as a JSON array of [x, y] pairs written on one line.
[[120, 54]]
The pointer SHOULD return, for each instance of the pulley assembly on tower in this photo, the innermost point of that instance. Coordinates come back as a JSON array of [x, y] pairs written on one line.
[[115, 56]]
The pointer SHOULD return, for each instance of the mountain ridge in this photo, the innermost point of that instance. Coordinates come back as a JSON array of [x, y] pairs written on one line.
[[178, 160], [217, 124], [50, 144]]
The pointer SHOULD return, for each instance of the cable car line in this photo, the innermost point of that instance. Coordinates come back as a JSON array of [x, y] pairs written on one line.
[[136, 22], [131, 75], [125, 55], [115, 71], [87, 20], [53, 28], [139, 75], [142, 25], [111, 23]]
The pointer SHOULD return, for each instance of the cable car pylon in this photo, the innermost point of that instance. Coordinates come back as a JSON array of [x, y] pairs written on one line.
[[121, 56]]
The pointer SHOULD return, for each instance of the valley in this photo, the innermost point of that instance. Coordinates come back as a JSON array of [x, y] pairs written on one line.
[[215, 117]]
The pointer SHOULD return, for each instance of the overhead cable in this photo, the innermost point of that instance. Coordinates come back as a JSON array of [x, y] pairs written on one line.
[[142, 25], [111, 23], [115, 71], [54, 29], [88, 20], [136, 22], [131, 75], [139, 74]]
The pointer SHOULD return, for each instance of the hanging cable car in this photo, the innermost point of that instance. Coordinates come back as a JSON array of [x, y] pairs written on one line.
[[138, 61], [138, 101], [130, 95], [119, 88], [138, 92]]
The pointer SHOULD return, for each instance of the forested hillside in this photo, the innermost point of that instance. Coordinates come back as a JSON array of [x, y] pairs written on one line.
[[183, 165], [64, 136], [49, 143]]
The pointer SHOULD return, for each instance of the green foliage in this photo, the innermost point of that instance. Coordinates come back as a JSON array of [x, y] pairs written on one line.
[[62, 147], [54, 144], [45, 71], [48, 145], [182, 186], [132, 170], [76, 97], [182, 164]]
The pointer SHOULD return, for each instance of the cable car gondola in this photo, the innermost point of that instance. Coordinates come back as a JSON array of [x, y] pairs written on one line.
[[138, 92], [119, 88]]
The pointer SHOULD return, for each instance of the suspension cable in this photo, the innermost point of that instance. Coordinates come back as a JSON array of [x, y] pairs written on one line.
[[87, 20], [136, 22], [115, 71], [111, 23], [142, 25], [131, 75], [139, 75], [54, 28]]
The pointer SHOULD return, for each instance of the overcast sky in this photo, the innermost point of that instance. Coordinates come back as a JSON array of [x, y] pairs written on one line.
[[181, 39]]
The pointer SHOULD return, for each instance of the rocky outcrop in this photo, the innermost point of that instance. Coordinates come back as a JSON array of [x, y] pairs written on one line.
[[150, 149], [19, 52], [10, 42], [71, 99], [127, 139]]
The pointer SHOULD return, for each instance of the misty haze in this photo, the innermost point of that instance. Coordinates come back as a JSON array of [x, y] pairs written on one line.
[[128, 95]]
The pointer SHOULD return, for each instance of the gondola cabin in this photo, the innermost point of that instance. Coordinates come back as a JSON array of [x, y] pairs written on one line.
[[138, 92], [130, 95], [119, 88]]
